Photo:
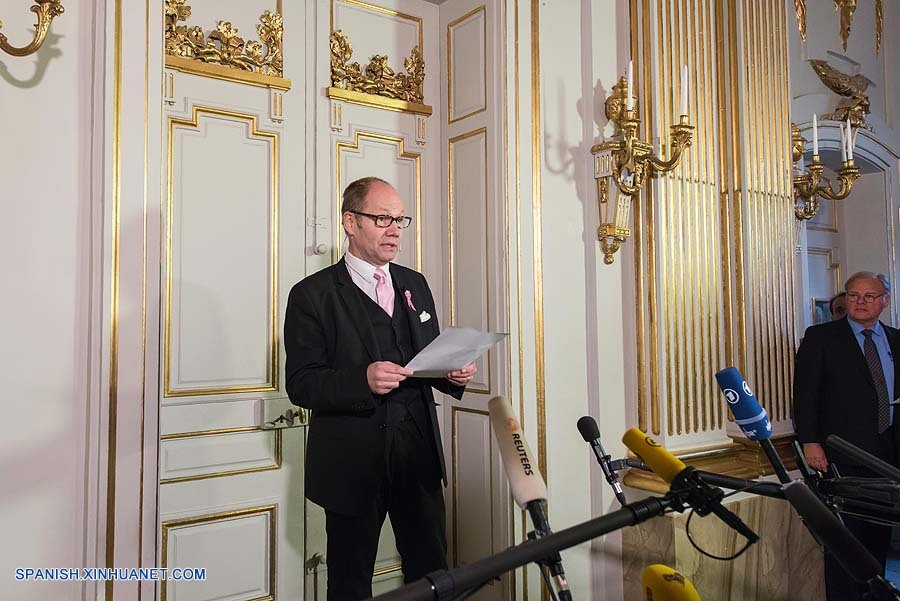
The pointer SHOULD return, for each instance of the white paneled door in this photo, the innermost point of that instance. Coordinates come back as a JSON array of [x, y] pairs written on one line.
[[230, 486]]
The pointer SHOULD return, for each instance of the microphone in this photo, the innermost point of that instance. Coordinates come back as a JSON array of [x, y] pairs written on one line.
[[750, 416], [525, 480], [846, 548], [685, 481], [591, 435], [857, 455], [661, 583]]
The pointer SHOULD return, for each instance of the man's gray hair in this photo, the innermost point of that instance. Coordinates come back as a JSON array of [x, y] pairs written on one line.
[[869, 275]]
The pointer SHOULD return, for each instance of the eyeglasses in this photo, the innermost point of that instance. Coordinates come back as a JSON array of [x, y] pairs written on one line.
[[386, 220], [867, 298]]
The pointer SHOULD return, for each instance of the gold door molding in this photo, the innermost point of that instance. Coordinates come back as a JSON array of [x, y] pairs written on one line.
[[269, 511], [253, 133], [342, 148]]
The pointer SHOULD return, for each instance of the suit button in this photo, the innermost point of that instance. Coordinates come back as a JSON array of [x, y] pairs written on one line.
[[383, 426]]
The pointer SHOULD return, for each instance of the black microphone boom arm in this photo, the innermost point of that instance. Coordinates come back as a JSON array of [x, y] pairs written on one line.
[[445, 585]]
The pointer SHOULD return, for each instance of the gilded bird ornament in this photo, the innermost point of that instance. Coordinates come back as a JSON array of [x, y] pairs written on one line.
[[855, 104]]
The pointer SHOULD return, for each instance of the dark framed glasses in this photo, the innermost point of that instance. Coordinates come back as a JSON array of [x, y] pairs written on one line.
[[386, 220]]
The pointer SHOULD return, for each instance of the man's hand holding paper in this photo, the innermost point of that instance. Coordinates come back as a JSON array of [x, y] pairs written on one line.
[[451, 355]]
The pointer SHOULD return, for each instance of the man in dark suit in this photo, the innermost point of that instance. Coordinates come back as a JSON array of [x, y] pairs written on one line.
[[838, 306], [374, 447], [844, 381]]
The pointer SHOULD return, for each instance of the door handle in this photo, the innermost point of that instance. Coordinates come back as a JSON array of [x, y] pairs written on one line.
[[314, 562], [292, 418]]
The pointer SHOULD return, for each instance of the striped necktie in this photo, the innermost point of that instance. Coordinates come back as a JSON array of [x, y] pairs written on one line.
[[874, 361]]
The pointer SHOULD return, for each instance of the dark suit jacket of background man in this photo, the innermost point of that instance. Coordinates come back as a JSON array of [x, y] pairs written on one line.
[[834, 392], [330, 343]]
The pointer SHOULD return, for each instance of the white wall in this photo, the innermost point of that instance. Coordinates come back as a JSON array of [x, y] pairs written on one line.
[[48, 238], [868, 209], [586, 341]]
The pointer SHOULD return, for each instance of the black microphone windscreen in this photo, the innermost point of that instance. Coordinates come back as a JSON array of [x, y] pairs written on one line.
[[846, 548], [588, 428], [861, 457]]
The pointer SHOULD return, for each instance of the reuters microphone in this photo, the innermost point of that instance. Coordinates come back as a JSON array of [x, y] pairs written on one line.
[[662, 583], [525, 480], [750, 416], [685, 481]]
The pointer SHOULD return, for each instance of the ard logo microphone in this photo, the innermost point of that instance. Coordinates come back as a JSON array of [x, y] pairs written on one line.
[[750, 416]]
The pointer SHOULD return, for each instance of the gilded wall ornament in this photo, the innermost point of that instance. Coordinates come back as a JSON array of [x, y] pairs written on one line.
[[846, 8], [800, 9], [45, 10], [223, 46], [879, 24], [377, 77], [855, 105]]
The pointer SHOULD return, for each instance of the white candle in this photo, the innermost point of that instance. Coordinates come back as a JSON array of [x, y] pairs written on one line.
[[629, 98], [815, 135], [849, 140], [684, 90], [843, 143]]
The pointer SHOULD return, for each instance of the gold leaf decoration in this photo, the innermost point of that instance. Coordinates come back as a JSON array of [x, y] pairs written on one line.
[[377, 77], [46, 11], [855, 104], [223, 46], [846, 8], [879, 24], [800, 9]]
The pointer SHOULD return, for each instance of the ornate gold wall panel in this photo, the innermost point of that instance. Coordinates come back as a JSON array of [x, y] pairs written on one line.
[[376, 84], [682, 308], [223, 54], [714, 248], [767, 208]]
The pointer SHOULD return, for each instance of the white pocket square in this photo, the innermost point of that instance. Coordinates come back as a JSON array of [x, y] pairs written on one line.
[[424, 316]]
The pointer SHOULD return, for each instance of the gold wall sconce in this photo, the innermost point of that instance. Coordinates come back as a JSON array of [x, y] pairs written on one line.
[[628, 161], [45, 10], [809, 184]]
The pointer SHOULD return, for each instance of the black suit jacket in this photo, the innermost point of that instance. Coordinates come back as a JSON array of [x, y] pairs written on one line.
[[330, 342], [834, 392]]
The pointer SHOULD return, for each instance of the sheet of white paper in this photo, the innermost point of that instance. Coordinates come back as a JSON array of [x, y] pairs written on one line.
[[453, 349]]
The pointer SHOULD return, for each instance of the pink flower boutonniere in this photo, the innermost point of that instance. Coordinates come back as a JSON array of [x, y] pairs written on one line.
[[408, 296]]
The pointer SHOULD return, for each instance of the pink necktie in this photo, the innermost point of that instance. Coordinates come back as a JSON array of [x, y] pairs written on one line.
[[383, 292]]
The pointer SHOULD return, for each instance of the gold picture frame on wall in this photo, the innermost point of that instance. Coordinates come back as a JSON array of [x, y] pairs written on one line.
[[820, 310]]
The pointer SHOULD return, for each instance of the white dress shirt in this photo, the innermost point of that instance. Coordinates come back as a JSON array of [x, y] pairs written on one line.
[[363, 274]]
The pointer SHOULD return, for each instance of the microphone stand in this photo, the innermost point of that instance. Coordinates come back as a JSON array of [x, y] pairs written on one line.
[[840, 504], [764, 489], [862, 457], [444, 585]]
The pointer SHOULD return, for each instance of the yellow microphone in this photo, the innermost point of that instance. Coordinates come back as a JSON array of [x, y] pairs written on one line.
[[662, 583], [686, 485], [663, 463]]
